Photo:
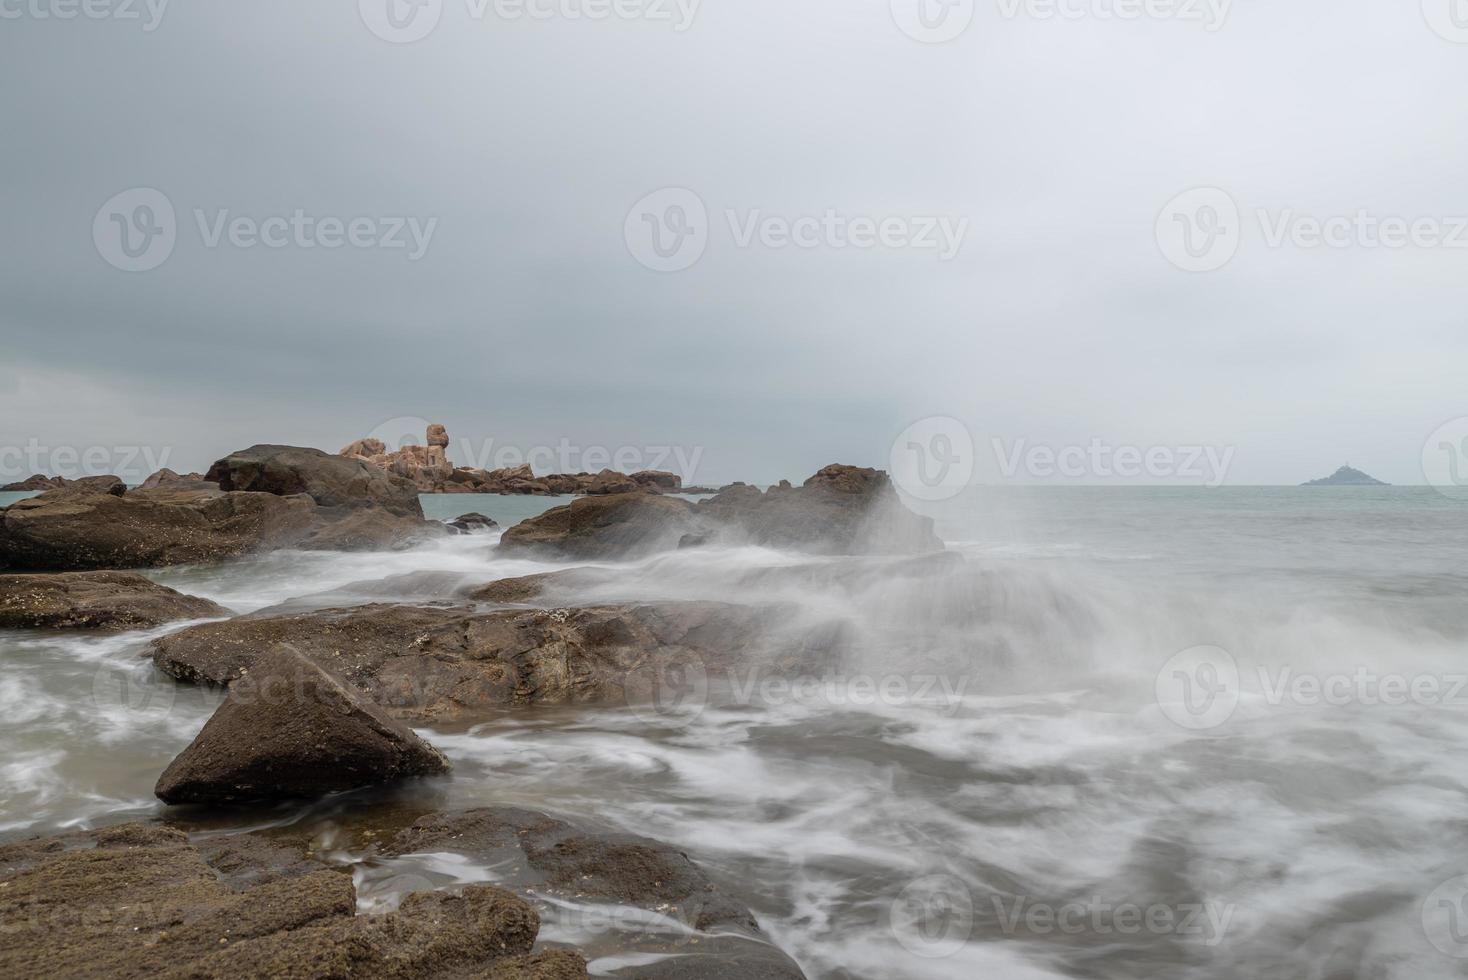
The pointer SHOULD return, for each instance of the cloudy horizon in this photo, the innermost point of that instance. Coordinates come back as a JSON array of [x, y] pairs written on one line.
[[766, 237]]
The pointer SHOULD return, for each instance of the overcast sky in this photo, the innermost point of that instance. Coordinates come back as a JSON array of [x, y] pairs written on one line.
[[526, 313]]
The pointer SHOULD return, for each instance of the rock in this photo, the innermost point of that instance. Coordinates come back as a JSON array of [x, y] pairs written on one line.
[[470, 523], [139, 901], [291, 729], [438, 436], [840, 510], [436, 664], [552, 964], [659, 481], [95, 600], [33, 483], [168, 478], [331, 481], [624, 525], [372, 529], [68, 530], [365, 448], [610, 481], [578, 864], [112, 485]]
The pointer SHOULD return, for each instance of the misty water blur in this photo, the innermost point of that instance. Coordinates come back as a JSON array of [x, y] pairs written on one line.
[[991, 741]]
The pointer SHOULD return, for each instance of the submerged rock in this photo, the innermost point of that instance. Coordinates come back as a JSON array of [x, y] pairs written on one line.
[[471, 523], [291, 729], [140, 901], [610, 867], [95, 600], [436, 664]]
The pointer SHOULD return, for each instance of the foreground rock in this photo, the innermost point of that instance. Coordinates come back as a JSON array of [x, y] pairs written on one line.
[[291, 729], [95, 600], [842, 510], [627, 525], [140, 901], [331, 481], [434, 664], [68, 529], [558, 858]]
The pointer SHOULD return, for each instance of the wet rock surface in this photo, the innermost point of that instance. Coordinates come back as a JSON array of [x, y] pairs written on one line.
[[70, 530], [95, 600], [291, 729], [705, 932], [142, 901], [841, 510], [625, 525], [429, 664]]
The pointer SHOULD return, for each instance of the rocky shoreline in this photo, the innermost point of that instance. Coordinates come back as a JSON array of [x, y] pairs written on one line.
[[319, 699]]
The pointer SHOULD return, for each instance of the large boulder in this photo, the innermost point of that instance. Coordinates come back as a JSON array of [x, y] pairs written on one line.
[[624, 525], [331, 481], [95, 600], [289, 729], [372, 529], [844, 510], [138, 901], [71, 529], [437, 664]]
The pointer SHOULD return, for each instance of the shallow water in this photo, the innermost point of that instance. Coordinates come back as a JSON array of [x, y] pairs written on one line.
[[1018, 770]]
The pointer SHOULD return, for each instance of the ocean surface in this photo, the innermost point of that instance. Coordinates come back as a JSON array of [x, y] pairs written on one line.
[[1135, 733]]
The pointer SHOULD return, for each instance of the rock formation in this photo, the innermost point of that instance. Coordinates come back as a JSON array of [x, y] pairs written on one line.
[[840, 510], [95, 600], [429, 469], [435, 664], [290, 728], [138, 902]]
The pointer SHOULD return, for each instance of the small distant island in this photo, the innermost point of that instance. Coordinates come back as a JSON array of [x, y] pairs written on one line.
[[1346, 476]]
